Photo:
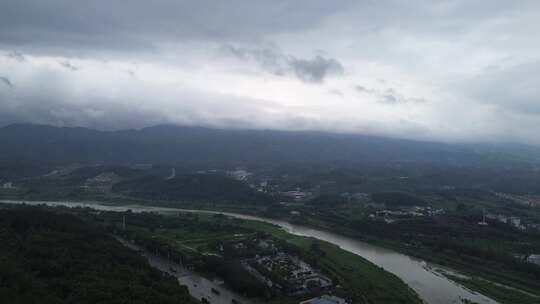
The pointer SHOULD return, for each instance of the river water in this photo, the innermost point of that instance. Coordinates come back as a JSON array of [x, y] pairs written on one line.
[[422, 277]]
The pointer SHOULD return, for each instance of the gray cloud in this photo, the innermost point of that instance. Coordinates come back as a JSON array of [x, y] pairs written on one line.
[[49, 97], [387, 96], [58, 25], [481, 56], [270, 59], [68, 65], [389, 99], [336, 93], [274, 61], [363, 89], [6, 81], [513, 89], [316, 69], [16, 56]]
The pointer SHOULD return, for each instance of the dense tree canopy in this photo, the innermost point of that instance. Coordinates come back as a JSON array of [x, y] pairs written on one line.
[[47, 257]]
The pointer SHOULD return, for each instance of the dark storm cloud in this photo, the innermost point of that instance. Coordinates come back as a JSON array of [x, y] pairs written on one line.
[[420, 47], [56, 25], [313, 70], [16, 56], [270, 59], [316, 69], [6, 81]]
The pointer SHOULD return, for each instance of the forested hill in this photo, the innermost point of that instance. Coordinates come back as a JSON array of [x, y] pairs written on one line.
[[174, 144], [48, 257], [191, 187]]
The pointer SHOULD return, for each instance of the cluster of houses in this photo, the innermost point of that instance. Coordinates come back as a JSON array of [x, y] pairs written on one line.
[[534, 258], [529, 258], [514, 221], [297, 195], [101, 183], [239, 174], [528, 200], [280, 271], [390, 216], [299, 276]]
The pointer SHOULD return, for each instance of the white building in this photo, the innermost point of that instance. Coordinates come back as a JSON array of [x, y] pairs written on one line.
[[326, 299], [534, 258]]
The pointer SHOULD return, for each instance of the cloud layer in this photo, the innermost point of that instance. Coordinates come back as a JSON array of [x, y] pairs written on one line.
[[444, 70], [313, 70]]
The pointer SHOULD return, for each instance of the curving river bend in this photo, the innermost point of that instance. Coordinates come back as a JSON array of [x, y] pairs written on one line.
[[431, 286]]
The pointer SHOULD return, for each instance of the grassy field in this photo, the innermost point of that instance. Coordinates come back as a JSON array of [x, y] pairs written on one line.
[[502, 294], [363, 281]]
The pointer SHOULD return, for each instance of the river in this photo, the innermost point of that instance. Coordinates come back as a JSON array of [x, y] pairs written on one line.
[[422, 277]]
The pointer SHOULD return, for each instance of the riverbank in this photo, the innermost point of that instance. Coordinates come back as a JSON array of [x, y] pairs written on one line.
[[352, 276], [431, 287], [504, 286]]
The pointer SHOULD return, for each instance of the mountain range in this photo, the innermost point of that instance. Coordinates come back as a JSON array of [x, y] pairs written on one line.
[[167, 143]]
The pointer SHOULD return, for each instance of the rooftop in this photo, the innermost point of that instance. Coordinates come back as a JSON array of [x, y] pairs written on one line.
[[326, 299]]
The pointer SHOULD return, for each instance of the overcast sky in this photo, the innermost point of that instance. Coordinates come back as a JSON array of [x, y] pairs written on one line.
[[438, 70]]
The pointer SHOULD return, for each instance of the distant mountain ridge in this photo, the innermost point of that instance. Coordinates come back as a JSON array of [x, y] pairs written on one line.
[[41, 143]]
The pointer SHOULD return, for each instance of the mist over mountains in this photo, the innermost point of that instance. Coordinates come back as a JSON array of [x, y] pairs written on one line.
[[169, 144]]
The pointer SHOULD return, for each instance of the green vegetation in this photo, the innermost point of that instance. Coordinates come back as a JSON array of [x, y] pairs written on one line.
[[500, 293], [366, 282], [345, 197], [191, 187], [116, 183], [327, 200], [392, 199], [51, 257], [452, 239], [194, 239]]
